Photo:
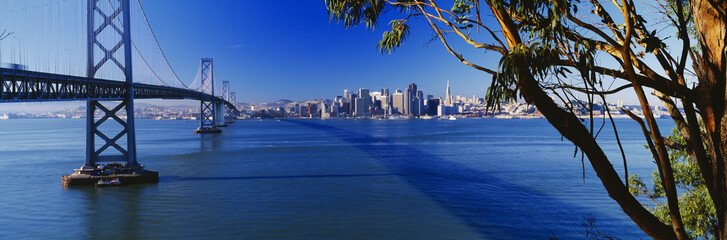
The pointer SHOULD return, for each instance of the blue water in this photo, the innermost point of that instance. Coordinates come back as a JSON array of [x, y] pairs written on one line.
[[319, 179]]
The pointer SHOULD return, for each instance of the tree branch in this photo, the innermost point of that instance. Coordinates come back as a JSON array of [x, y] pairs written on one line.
[[667, 172], [449, 49], [587, 91]]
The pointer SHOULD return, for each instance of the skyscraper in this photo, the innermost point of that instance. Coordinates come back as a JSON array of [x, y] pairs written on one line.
[[364, 93], [448, 98], [413, 88], [419, 103], [406, 108], [411, 102], [347, 95], [398, 102], [433, 104], [360, 104], [312, 110]]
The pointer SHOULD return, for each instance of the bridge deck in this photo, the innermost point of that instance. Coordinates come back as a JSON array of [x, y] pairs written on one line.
[[29, 86]]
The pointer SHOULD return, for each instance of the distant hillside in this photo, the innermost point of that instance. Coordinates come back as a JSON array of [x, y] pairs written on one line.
[[287, 103], [282, 102]]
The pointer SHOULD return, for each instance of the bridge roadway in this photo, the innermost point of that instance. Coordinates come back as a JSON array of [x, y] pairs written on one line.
[[29, 86]]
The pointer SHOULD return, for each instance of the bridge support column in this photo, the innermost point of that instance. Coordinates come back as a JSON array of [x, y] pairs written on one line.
[[233, 112], [122, 165], [207, 107], [220, 114], [229, 114], [226, 96]]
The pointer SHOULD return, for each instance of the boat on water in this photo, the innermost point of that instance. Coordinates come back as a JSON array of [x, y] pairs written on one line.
[[4, 116], [108, 182], [452, 118]]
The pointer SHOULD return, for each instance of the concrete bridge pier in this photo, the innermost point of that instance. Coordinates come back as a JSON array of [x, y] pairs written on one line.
[[220, 114], [111, 161]]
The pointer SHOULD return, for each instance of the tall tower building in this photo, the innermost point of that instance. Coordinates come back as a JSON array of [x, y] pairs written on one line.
[[407, 102], [412, 108], [360, 107], [413, 88], [398, 102], [347, 95], [448, 97], [419, 103], [364, 93]]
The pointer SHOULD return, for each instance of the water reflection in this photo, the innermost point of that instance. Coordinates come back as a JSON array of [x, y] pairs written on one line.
[[113, 212], [209, 142]]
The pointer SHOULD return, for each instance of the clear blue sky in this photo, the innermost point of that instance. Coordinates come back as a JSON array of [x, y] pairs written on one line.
[[270, 50]]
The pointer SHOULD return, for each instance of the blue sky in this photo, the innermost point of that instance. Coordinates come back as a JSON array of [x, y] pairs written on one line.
[[272, 50], [268, 51]]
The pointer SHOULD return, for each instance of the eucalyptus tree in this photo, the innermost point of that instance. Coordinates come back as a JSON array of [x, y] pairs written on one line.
[[553, 50]]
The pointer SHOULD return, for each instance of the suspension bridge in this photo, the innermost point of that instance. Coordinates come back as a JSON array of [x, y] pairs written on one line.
[[42, 55]]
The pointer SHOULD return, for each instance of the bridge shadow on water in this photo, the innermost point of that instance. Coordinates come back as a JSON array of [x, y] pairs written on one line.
[[491, 206], [176, 179]]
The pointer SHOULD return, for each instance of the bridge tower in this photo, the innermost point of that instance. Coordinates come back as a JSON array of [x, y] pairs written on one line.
[[209, 109], [226, 95], [130, 171], [233, 100]]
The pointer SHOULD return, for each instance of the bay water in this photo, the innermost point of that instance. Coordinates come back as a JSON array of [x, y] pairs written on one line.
[[320, 179]]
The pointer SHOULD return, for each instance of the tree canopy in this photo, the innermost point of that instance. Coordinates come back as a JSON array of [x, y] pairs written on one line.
[[556, 50]]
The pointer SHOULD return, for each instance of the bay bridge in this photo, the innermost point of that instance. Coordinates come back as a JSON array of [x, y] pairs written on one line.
[[48, 43]]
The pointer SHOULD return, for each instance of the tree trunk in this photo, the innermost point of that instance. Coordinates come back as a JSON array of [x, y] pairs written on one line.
[[711, 24], [570, 126]]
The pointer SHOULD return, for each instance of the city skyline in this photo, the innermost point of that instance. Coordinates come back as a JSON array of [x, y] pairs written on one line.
[[44, 107]]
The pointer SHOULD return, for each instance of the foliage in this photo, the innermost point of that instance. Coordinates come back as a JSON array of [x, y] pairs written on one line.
[[534, 59], [352, 12], [695, 204], [394, 38]]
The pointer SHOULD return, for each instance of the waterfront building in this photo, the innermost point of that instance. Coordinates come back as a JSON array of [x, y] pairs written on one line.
[[444, 110], [303, 111], [364, 93], [412, 109], [419, 103], [360, 107], [433, 105], [386, 102], [397, 102], [345, 106], [334, 110], [312, 110]]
